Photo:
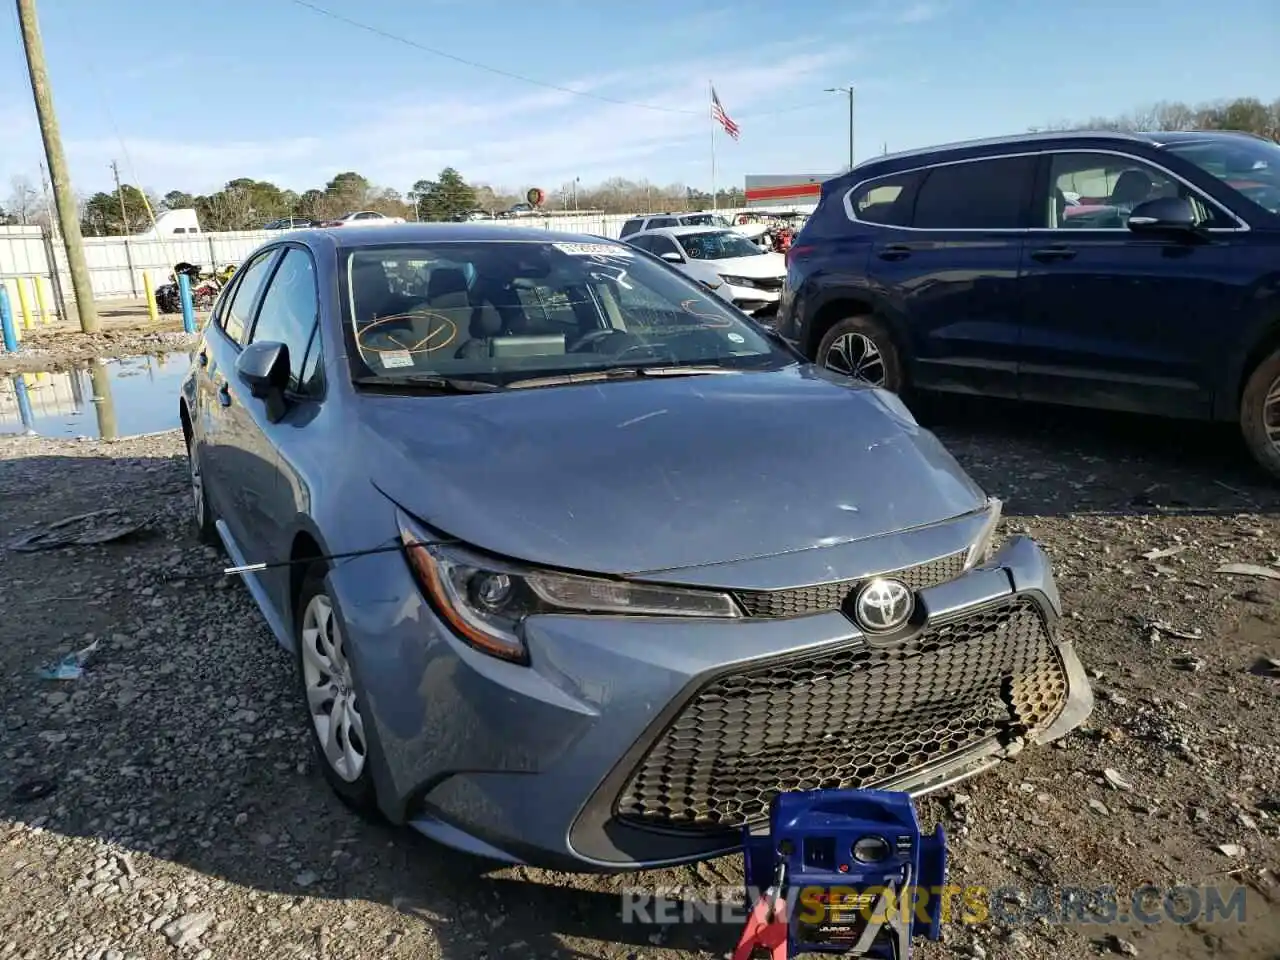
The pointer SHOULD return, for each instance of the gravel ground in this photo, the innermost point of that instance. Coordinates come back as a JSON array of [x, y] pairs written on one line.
[[187, 818]]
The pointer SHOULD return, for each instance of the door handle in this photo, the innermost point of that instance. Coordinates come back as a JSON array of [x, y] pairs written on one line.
[[224, 394], [895, 251], [203, 358], [1053, 253]]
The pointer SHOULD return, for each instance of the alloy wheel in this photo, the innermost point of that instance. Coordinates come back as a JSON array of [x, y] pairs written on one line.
[[331, 695], [197, 484], [1271, 414], [856, 355]]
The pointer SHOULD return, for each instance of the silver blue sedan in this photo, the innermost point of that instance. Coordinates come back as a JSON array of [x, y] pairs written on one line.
[[581, 566]]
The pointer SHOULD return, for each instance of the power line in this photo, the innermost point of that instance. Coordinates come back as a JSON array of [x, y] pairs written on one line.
[[435, 51]]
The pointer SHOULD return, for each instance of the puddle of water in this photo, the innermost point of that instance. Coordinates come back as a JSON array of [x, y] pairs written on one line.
[[106, 399]]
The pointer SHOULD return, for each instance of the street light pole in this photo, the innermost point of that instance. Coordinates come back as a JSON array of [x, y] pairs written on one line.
[[849, 91]]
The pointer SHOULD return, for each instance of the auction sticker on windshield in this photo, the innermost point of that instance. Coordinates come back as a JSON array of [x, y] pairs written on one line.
[[396, 358], [593, 249]]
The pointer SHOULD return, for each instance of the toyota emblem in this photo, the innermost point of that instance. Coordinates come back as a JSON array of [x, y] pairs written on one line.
[[883, 605]]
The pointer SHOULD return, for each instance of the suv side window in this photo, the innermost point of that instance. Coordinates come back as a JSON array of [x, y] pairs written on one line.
[[1098, 191], [290, 311], [887, 200], [661, 222], [975, 195], [235, 319], [630, 227]]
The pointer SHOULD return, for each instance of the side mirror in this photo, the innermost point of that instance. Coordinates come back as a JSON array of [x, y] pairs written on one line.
[[264, 368], [1164, 214], [672, 257]]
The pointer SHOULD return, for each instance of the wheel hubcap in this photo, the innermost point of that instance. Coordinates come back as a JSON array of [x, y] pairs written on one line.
[[856, 355], [1271, 414], [331, 696]]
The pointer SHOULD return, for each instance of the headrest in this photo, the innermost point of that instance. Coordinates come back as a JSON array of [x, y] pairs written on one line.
[[446, 281]]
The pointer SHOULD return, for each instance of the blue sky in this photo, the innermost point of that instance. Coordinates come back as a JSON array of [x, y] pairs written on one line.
[[271, 90]]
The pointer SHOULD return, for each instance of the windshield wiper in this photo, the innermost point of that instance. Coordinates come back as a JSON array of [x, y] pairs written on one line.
[[430, 381], [617, 373]]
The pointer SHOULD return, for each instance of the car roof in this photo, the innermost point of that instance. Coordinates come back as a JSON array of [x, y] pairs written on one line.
[[1153, 138], [472, 232], [683, 231]]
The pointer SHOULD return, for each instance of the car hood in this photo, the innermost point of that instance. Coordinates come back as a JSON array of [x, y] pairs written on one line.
[[764, 265], [658, 474]]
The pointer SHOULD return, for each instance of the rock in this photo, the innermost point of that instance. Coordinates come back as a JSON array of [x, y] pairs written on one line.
[[188, 928], [1123, 947], [1116, 781], [306, 878], [1098, 807], [1230, 849]]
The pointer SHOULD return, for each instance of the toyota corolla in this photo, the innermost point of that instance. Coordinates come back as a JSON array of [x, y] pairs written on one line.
[[580, 566]]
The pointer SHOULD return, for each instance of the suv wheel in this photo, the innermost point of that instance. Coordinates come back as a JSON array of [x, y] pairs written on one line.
[[1260, 413], [861, 348]]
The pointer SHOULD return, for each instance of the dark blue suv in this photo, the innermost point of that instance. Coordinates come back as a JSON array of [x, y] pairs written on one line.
[[1132, 272]]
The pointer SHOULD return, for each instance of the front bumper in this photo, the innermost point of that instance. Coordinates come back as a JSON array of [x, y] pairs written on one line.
[[632, 743], [759, 303]]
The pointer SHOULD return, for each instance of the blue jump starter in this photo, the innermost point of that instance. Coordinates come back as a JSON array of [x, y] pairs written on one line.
[[857, 876]]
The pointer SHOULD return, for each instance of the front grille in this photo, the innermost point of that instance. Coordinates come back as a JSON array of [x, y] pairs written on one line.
[[829, 596], [852, 717]]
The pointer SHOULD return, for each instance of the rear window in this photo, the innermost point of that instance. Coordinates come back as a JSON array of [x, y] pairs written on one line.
[[508, 310], [887, 200]]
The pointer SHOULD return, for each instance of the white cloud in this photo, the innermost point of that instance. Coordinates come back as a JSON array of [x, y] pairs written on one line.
[[539, 136]]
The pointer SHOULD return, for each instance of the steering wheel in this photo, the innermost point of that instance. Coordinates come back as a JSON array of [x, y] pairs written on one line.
[[397, 334]]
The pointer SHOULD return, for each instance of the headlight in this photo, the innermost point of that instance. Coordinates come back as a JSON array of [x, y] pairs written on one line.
[[981, 551], [485, 600], [738, 281]]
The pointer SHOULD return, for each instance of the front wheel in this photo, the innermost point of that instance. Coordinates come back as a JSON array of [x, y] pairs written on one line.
[[1260, 413], [861, 347], [334, 707]]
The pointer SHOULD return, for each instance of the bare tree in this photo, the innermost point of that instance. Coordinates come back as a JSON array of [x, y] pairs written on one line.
[[23, 200]]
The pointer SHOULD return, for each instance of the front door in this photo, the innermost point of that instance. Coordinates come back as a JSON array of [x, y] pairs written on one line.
[[1118, 319], [945, 258], [231, 475]]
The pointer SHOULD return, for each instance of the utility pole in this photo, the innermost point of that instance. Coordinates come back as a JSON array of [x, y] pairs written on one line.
[[124, 216], [849, 91], [63, 196]]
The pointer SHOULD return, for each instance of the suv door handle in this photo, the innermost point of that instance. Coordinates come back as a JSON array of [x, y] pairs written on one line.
[[894, 251], [1056, 252]]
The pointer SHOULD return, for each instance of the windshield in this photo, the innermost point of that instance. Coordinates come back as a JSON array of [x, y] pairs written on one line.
[[505, 310], [718, 245], [1250, 167]]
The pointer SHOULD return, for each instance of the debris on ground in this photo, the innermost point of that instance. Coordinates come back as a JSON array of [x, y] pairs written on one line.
[[70, 667], [83, 529], [1250, 570]]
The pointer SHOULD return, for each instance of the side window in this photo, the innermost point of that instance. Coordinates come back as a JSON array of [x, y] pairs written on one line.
[[975, 195], [660, 245], [630, 227], [657, 222], [1098, 191], [290, 310], [236, 316], [312, 378], [886, 201]]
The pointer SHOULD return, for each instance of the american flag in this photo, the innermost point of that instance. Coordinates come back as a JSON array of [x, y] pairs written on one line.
[[718, 114]]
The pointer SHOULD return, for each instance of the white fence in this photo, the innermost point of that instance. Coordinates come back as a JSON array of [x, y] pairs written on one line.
[[117, 264]]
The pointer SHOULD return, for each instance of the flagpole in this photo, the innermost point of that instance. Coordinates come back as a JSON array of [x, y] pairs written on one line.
[[711, 115]]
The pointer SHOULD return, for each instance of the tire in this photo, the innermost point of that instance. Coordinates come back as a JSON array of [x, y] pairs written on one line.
[[1260, 412], [847, 344], [316, 646], [202, 514]]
